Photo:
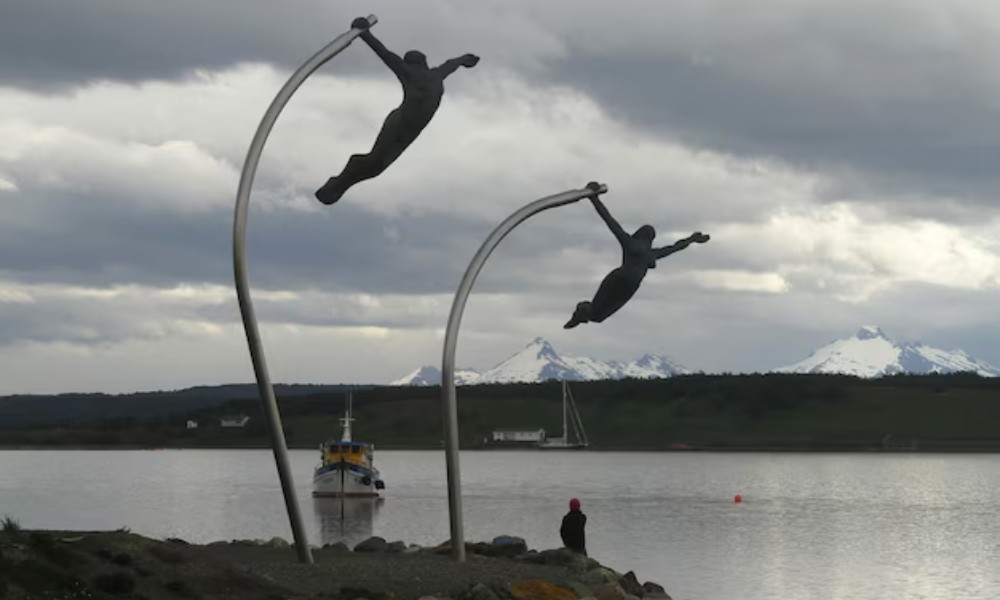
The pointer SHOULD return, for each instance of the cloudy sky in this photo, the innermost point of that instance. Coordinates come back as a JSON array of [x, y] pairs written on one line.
[[841, 153]]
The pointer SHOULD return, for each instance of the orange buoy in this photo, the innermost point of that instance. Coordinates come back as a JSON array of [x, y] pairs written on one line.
[[737, 499]]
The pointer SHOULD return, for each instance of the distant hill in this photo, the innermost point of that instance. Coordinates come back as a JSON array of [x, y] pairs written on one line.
[[75, 409]]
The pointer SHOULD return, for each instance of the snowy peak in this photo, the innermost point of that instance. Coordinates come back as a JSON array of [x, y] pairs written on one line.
[[423, 376], [538, 361], [650, 365], [432, 376], [871, 353], [870, 332]]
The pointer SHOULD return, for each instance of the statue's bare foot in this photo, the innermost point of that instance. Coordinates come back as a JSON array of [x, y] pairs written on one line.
[[330, 192], [579, 315]]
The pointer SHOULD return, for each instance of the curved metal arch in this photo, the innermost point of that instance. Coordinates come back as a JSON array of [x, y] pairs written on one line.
[[449, 401], [266, 391]]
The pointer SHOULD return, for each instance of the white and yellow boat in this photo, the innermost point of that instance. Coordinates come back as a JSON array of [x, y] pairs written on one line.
[[347, 467]]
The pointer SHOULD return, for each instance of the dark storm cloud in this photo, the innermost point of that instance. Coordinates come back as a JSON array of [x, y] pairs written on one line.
[[891, 111], [945, 144], [59, 42], [85, 240], [103, 245]]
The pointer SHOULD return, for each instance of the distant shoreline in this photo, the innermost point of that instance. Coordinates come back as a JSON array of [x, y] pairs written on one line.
[[712, 449]]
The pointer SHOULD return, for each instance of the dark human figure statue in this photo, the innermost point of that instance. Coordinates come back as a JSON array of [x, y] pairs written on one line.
[[638, 256], [422, 90], [572, 529]]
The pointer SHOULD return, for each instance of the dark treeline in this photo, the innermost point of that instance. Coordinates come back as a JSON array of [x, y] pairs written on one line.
[[76, 409], [758, 411]]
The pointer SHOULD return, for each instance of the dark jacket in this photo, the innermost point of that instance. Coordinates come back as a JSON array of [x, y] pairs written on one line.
[[572, 533]]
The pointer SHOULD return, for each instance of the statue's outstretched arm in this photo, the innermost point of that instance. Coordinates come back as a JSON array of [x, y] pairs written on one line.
[[695, 238], [612, 224], [452, 64], [390, 58]]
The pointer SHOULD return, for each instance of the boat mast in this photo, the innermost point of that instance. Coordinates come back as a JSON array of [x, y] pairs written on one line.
[[346, 420], [565, 435], [581, 434]]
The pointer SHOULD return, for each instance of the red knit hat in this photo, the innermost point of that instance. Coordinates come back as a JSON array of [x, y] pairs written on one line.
[[574, 504]]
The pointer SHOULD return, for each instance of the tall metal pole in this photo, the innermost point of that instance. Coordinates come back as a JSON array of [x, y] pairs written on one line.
[[449, 403], [264, 388]]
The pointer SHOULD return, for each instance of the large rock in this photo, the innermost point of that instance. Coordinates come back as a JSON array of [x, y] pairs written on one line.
[[396, 547], [536, 589], [595, 578], [481, 592], [337, 547], [277, 542], [507, 546], [654, 590], [563, 558], [631, 585], [372, 544], [611, 591], [580, 590]]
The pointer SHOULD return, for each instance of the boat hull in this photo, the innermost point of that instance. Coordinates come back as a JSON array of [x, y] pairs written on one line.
[[346, 480]]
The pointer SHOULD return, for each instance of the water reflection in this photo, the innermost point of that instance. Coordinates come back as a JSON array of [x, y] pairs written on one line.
[[348, 520]]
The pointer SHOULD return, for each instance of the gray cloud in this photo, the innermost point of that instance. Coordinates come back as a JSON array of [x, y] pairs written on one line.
[[907, 110], [749, 124]]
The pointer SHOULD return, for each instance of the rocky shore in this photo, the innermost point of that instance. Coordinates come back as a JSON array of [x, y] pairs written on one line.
[[75, 564]]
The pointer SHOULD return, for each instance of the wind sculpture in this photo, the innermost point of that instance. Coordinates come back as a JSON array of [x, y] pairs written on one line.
[[423, 88], [638, 256]]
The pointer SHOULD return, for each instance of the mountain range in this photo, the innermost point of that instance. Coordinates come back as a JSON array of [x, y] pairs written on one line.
[[871, 353], [867, 353], [539, 361]]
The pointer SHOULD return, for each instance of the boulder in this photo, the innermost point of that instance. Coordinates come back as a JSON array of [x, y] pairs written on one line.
[[611, 591], [563, 558], [654, 590], [531, 557], [631, 585], [477, 548], [445, 547], [338, 547], [536, 589], [277, 542], [507, 546], [396, 547], [600, 576], [580, 590], [481, 592], [372, 544]]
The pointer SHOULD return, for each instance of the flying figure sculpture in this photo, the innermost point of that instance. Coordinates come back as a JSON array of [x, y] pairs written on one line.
[[638, 256], [423, 88]]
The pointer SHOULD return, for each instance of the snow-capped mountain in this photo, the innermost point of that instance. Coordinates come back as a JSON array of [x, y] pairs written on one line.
[[538, 361], [871, 353], [432, 376]]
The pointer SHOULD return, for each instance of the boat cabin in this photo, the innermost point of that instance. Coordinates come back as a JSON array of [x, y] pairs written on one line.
[[358, 453]]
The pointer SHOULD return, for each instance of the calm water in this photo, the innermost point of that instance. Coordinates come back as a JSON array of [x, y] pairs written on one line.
[[811, 526]]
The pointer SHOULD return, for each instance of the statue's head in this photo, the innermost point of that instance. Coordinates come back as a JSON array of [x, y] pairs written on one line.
[[416, 58], [646, 232]]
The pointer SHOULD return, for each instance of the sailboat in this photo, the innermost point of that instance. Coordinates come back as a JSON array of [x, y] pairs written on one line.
[[571, 418], [346, 467]]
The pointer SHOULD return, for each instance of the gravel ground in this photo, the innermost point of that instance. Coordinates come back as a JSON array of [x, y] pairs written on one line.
[[405, 575]]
